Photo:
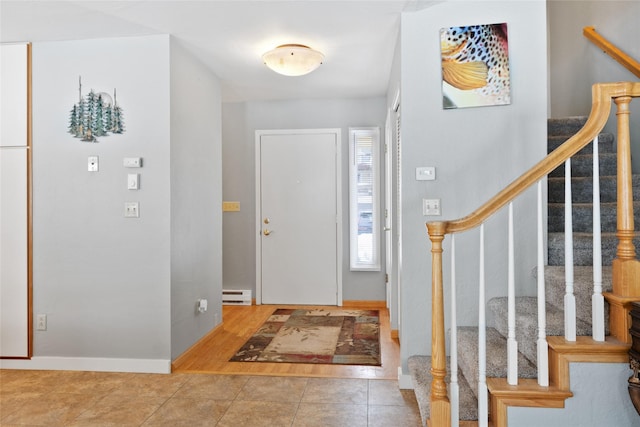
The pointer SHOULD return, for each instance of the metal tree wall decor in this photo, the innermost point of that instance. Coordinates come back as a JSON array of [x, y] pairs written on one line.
[[95, 115]]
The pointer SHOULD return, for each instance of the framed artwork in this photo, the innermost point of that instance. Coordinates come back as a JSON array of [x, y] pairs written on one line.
[[95, 115], [475, 66]]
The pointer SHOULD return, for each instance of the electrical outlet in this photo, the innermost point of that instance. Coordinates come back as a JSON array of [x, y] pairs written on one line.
[[131, 210], [41, 322], [92, 164]]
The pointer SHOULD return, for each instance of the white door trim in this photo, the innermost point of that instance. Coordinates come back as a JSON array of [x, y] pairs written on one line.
[[258, 217]]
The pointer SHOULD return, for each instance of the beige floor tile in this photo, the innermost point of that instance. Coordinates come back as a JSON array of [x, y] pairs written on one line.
[[115, 410], [189, 412], [273, 389], [158, 385], [99, 383], [251, 413], [386, 392], [386, 415], [336, 390], [330, 415], [54, 409], [217, 387]]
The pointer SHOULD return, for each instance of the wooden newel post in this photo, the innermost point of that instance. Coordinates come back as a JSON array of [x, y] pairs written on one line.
[[626, 249], [440, 406], [626, 268]]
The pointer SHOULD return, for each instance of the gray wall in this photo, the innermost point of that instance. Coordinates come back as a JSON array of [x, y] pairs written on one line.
[[592, 404], [576, 63], [240, 121], [103, 280], [120, 293], [476, 152], [196, 199]]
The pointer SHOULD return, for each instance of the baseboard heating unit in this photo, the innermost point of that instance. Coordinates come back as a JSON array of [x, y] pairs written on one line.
[[236, 297]]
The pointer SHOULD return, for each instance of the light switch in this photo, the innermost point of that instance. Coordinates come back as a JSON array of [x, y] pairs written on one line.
[[133, 181], [92, 165], [426, 173], [132, 162]]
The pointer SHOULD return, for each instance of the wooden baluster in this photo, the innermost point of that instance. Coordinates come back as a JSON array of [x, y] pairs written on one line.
[[597, 300], [440, 406], [569, 297], [453, 385]]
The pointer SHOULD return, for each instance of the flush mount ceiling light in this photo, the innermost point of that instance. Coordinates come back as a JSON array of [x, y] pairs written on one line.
[[293, 59]]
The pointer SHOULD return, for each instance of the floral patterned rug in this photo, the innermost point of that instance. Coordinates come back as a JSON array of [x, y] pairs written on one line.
[[343, 337]]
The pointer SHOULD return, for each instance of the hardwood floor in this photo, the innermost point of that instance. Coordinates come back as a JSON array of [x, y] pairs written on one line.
[[212, 353]]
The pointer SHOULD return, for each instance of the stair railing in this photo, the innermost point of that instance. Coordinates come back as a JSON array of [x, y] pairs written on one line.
[[626, 268], [612, 50]]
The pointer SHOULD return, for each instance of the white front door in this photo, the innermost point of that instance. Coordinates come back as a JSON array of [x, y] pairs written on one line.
[[297, 209]]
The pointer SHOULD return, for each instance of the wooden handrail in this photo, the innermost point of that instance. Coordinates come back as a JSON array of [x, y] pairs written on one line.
[[602, 93], [610, 49], [626, 272]]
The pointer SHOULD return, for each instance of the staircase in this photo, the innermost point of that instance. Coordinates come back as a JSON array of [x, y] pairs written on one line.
[[528, 393]]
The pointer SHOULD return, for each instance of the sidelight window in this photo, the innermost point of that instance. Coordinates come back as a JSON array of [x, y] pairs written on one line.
[[364, 196]]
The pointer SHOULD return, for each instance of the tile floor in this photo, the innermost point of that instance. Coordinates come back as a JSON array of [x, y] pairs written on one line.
[[66, 398]]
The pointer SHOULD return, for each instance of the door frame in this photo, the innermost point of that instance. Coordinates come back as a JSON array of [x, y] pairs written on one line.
[[339, 213]]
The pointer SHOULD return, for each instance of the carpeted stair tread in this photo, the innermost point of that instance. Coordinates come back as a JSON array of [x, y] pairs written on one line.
[[527, 322], [605, 143], [582, 165], [420, 370], [582, 289], [496, 356], [582, 189], [582, 215], [583, 248], [565, 125]]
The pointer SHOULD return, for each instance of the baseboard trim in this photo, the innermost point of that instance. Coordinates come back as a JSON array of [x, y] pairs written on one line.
[[364, 304], [98, 364], [404, 381]]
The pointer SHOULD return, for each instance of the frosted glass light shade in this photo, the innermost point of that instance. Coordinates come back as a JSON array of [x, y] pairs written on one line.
[[293, 59]]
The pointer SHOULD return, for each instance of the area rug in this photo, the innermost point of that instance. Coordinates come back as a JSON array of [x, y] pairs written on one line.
[[342, 337]]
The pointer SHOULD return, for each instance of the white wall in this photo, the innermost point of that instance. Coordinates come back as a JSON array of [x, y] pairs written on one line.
[[196, 199], [102, 279], [576, 63], [240, 121], [476, 152]]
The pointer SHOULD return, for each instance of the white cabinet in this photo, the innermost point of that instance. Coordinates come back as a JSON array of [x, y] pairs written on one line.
[[15, 334]]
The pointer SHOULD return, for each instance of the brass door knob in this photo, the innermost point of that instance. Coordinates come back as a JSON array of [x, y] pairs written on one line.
[[266, 232]]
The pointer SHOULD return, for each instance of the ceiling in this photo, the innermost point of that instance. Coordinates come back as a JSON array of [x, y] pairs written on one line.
[[358, 37]]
